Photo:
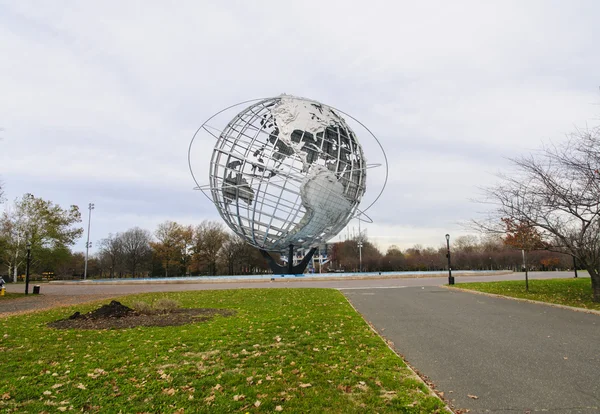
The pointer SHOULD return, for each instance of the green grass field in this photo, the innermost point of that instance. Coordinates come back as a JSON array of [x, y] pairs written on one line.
[[8, 295], [569, 292], [289, 350]]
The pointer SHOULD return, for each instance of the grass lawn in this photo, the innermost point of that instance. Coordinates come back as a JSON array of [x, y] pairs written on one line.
[[570, 292], [8, 295], [289, 350]]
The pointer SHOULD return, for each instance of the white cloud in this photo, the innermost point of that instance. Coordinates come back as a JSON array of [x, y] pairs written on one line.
[[100, 100]]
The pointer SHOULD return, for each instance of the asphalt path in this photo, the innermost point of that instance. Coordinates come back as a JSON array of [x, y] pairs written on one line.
[[489, 354], [118, 287]]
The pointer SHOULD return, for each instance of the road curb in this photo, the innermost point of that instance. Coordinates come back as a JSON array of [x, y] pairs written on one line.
[[495, 295]]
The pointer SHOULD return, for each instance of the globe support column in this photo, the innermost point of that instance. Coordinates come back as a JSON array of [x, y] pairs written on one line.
[[289, 269]]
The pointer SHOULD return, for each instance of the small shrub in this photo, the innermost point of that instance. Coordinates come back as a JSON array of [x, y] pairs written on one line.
[[142, 307], [166, 305]]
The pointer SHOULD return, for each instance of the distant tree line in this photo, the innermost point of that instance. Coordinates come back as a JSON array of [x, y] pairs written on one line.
[[175, 249], [48, 232], [467, 253]]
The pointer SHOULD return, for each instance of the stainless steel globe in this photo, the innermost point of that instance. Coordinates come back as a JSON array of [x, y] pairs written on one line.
[[287, 171]]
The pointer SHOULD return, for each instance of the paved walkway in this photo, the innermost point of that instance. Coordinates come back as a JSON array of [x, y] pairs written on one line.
[[53, 295], [490, 354]]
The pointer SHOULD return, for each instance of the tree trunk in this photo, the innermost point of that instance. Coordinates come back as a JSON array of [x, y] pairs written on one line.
[[595, 277]]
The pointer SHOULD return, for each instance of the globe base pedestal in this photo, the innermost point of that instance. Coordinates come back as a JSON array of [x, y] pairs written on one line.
[[288, 269]]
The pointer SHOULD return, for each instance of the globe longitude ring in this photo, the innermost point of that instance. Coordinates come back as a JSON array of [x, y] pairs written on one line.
[[285, 172]]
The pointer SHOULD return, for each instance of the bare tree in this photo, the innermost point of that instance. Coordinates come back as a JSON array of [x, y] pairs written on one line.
[[209, 237], [233, 252], [557, 191], [136, 248], [111, 253]]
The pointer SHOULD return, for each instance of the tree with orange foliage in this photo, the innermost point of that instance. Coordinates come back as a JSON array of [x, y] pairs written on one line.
[[522, 235]]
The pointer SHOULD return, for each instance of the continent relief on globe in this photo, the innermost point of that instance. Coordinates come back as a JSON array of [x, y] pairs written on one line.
[[332, 173]]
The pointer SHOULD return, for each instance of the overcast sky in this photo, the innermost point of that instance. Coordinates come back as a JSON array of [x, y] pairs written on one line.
[[99, 100]]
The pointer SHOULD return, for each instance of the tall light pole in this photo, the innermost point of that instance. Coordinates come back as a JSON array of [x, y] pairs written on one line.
[[87, 243], [450, 277]]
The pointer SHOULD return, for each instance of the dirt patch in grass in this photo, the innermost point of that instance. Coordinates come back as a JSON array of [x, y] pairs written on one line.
[[118, 316]]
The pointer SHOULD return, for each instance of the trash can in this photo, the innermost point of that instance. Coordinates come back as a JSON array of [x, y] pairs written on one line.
[[36, 289]]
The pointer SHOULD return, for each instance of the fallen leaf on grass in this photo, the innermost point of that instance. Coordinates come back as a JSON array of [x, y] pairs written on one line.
[[5, 396], [257, 403], [239, 397], [210, 399], [97, 372], [305, 385], [62, 409], [473, 396], [169, 391], [279, 408], [80, 386]]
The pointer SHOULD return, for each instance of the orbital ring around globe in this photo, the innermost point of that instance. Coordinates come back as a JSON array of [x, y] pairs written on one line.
[[286, 171]]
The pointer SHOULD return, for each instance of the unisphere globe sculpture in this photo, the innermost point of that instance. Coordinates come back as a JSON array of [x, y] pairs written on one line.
[[286, 172]]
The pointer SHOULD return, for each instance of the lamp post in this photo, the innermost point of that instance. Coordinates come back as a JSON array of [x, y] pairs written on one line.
[[88, 244], [450, 277], [27, 268], [360, 245]]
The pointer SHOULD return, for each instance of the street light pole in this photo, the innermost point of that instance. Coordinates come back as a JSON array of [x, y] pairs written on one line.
[[88, 244], [27, 268], [450, 277], [360, 245]]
